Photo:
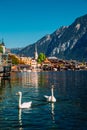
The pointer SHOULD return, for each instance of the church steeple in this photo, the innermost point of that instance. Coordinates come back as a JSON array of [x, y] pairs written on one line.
[[3, 42], [36, 53]]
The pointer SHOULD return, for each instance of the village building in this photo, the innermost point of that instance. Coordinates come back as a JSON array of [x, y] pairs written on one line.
[[3, 55], [34, 63]]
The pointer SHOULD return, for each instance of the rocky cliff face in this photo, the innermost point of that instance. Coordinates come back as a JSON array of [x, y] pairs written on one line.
[[66, 42]]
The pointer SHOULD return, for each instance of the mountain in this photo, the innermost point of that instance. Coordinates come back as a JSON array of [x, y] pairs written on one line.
[[15, 50], [67, 42]]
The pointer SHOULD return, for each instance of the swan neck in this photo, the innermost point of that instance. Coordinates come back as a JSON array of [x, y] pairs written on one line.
[[52, 91], [20, 96]]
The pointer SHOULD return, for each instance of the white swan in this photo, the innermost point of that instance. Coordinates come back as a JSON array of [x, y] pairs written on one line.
[[51, 98], [25, 104]]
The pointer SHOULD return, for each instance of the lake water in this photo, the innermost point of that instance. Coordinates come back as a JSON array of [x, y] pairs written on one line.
[[68, 113]]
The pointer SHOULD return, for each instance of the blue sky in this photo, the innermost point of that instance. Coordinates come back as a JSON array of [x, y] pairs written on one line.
[[23, 22]]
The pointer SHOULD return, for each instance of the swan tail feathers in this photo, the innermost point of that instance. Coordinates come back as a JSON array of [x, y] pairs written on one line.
[[46, 96]]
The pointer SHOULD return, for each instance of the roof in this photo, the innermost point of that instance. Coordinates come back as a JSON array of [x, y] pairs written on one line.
[[53, 57]]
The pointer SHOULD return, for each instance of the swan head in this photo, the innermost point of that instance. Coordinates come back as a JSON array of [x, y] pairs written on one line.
[[19, 93], [52, 87]]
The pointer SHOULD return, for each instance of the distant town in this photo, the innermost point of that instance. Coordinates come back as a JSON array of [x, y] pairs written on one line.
[[37, 63]]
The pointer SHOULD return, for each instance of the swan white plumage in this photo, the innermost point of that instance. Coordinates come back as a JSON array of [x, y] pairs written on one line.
[[25, 104], [51, 98]]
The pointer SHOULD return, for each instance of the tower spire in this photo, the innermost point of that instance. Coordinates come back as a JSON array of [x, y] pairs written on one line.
[[3, 42], [36, 53]]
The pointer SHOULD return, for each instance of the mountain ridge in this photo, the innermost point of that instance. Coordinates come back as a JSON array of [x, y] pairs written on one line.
[[67, 42]]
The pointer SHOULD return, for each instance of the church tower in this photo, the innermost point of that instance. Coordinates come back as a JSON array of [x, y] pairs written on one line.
[[3, 46], [36, 53]]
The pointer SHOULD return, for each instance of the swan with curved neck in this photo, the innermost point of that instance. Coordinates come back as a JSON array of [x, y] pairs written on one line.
[[51, 98], [25, 104]]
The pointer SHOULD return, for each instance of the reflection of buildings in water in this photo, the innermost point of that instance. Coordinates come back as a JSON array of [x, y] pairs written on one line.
[[34, 79], [30, 78], [16, 78], [24, 78], [4, 84]]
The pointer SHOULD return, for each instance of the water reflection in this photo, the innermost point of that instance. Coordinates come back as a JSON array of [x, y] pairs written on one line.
[[29, 78], [34, 79], [23, 117], [3, 85], [19, 116], [52, 112]]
